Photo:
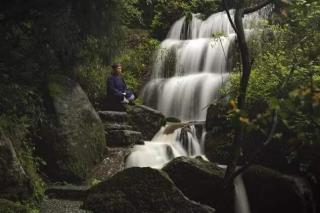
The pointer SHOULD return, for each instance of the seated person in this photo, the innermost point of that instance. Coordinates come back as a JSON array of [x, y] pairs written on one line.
[[117, 91]]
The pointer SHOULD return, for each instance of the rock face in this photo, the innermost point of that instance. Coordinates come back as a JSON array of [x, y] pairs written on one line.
[[138, 190], [271, 191], [74, 140], [145, 120], [14, 182], [199, 180]]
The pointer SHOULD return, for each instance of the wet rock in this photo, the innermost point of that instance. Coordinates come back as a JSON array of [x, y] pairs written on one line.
[[122, 138], [272, 191], [113, 163], [199, 180], [138, 190], [145, 120], [73, 142], [14, 182]]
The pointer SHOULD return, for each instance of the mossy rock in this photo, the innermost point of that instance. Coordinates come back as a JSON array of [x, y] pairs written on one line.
[[7, 206], [173, 120], [201, 181], [138, 190], [73, 140]]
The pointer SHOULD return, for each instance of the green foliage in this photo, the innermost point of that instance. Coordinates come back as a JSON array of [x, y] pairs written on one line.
[[132, 13], [136, 57]]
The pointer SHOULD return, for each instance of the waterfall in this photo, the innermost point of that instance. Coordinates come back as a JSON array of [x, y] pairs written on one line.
[[191, 64]]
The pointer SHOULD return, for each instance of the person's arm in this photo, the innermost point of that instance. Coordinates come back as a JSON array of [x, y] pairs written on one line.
[[128, 93]]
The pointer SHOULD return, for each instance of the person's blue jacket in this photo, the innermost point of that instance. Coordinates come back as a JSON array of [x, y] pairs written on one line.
[[115, 89]]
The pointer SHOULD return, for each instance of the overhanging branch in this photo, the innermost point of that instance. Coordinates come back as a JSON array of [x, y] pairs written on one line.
[[225, 6], [257, 7]]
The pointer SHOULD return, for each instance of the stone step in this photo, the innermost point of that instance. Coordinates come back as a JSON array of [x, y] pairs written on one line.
[[123, 138], [61, 206], [116, 126], [68, 192], [113, 116]]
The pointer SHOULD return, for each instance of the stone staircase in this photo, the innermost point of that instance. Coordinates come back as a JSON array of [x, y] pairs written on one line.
[[120, 136], [119, 133]]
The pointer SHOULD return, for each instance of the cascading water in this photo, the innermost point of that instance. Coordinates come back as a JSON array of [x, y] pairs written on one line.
[[187, 73]]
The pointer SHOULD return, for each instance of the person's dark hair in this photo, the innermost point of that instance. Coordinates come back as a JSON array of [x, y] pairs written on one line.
[[114, 66]]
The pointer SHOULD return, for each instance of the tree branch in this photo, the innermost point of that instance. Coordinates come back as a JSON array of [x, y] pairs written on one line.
[[225, 6], [257, 7]]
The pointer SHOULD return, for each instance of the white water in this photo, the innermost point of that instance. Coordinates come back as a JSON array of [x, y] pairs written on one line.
[[165, 147], [241, 199], [189, 68]]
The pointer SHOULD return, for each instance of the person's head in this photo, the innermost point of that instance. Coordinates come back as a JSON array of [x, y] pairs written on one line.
[[116, 69]]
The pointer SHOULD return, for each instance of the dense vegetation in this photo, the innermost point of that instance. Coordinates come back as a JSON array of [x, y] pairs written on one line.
[[285, 79]]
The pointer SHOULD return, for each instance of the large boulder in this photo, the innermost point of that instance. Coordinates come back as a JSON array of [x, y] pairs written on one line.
[[138, 190], [14, 182], [201, 181], [145, 120], [74, 140], [272, 191]]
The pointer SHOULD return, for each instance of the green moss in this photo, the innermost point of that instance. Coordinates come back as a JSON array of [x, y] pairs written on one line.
[[17, 132], [58, 85]]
